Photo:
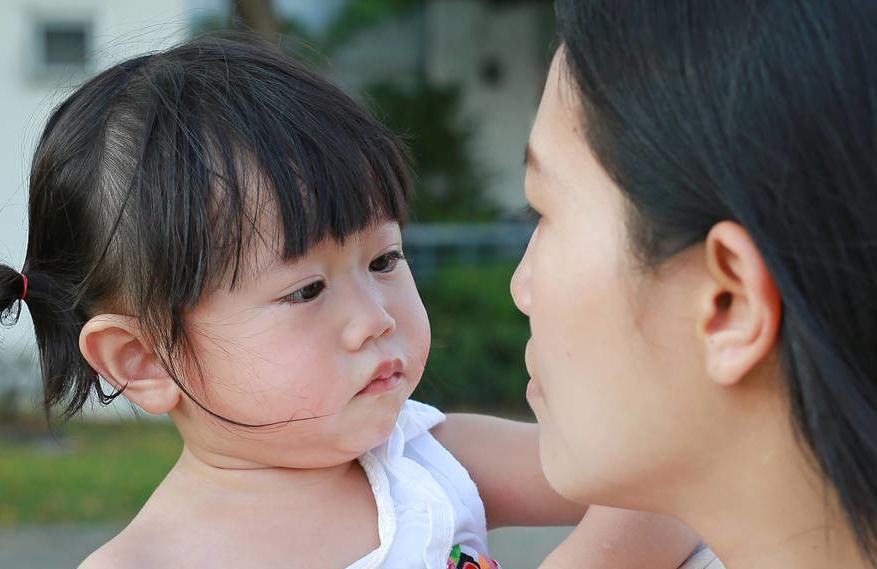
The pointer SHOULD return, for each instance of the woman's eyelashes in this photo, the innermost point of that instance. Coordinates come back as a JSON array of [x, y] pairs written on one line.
[[385, 263]]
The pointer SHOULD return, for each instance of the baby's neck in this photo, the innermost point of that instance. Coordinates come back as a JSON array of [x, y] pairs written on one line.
[[252, 517], [210, 474]]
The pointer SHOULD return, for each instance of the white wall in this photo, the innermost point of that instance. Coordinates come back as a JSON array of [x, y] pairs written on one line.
[[121, 28]]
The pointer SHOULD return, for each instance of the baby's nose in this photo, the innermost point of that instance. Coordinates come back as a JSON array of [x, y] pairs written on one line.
[[369, 321]]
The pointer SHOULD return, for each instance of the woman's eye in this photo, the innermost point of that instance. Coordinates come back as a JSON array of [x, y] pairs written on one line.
[[306, 293], [387, 262]]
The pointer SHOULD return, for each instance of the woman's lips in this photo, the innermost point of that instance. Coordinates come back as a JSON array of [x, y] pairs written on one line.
[[533, 389]]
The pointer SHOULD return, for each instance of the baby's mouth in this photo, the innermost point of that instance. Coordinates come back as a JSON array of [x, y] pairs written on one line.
[[386, 376]]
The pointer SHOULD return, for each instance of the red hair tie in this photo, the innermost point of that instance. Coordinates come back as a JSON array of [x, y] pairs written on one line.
[[23, 286]]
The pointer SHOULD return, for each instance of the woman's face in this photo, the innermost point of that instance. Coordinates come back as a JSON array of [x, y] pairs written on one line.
[[608, 359]]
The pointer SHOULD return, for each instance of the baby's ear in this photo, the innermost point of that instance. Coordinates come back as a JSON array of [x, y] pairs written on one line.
[[115, 347]]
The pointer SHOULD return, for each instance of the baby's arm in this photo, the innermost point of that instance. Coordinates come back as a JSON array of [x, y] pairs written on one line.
[[502, 457]]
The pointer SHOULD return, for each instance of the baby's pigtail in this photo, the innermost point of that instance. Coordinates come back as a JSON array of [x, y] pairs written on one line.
[[58, 319], [12, 290]]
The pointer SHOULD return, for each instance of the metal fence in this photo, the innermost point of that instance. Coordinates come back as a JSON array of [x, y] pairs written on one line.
[[429, 246]]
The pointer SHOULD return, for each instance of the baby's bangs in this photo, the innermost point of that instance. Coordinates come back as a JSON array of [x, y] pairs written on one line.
[[263, 135], [287, 195], [332, 182]]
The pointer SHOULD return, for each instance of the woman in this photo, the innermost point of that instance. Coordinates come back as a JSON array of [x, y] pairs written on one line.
[[701, 283]]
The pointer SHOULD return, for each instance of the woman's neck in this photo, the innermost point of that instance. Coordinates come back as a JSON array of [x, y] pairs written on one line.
[[763, 505]]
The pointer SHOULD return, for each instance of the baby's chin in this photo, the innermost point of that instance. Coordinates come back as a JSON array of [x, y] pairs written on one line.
[[377, 431], [366, 423], [364, 429]]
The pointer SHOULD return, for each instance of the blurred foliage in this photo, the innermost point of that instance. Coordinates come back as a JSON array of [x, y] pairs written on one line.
[[478, 338], [288, 27], [360, 15], [354, 17], [449, 186], [87, 472]]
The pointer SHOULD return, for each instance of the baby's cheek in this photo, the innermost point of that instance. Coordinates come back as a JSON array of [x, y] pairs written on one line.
[[420, 341], [301, 376]]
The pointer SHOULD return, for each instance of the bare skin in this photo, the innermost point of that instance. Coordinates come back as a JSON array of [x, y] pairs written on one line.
[[286, 513], [293, 494]]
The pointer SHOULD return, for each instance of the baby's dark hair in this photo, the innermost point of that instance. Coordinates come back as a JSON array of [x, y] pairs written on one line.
[[149, 182]]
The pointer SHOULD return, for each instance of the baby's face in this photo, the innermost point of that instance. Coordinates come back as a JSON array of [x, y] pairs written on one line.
[[338, 338]]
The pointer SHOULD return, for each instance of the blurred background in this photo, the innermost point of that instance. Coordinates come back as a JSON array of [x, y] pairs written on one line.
[[460, 80]]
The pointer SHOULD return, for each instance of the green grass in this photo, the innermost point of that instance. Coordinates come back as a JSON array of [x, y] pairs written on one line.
[[91, 472]]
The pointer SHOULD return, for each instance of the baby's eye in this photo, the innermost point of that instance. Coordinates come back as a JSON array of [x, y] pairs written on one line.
[[387, 262], [306, 293]]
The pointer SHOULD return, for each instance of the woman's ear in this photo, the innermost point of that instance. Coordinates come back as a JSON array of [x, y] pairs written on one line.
[[740, 318], [114, 346]]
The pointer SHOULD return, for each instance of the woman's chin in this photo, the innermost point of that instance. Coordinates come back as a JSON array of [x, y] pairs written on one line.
[[563, 481], [557, 468]]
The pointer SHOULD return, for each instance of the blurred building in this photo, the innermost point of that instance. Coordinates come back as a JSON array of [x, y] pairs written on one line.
[[49, 47], [495, 52]]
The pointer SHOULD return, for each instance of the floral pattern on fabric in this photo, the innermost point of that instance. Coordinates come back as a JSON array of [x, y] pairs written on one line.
[[459, 559]]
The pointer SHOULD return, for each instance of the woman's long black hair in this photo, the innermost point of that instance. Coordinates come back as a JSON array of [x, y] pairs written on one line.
[[150, 182], [763, 112]]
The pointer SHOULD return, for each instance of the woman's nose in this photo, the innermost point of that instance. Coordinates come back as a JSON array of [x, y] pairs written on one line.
[[369, 320], [520, 285]]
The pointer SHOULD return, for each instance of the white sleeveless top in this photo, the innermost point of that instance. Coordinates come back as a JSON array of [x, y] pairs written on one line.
[[426, 501], [703, 558]]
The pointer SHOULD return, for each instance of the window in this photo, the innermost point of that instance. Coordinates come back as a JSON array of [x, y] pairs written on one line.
[[65, 44], [62, 47]]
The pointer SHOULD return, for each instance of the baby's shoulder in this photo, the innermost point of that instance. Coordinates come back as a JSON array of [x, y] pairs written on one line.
[[125, 551], [153, 538], [101, 559]]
